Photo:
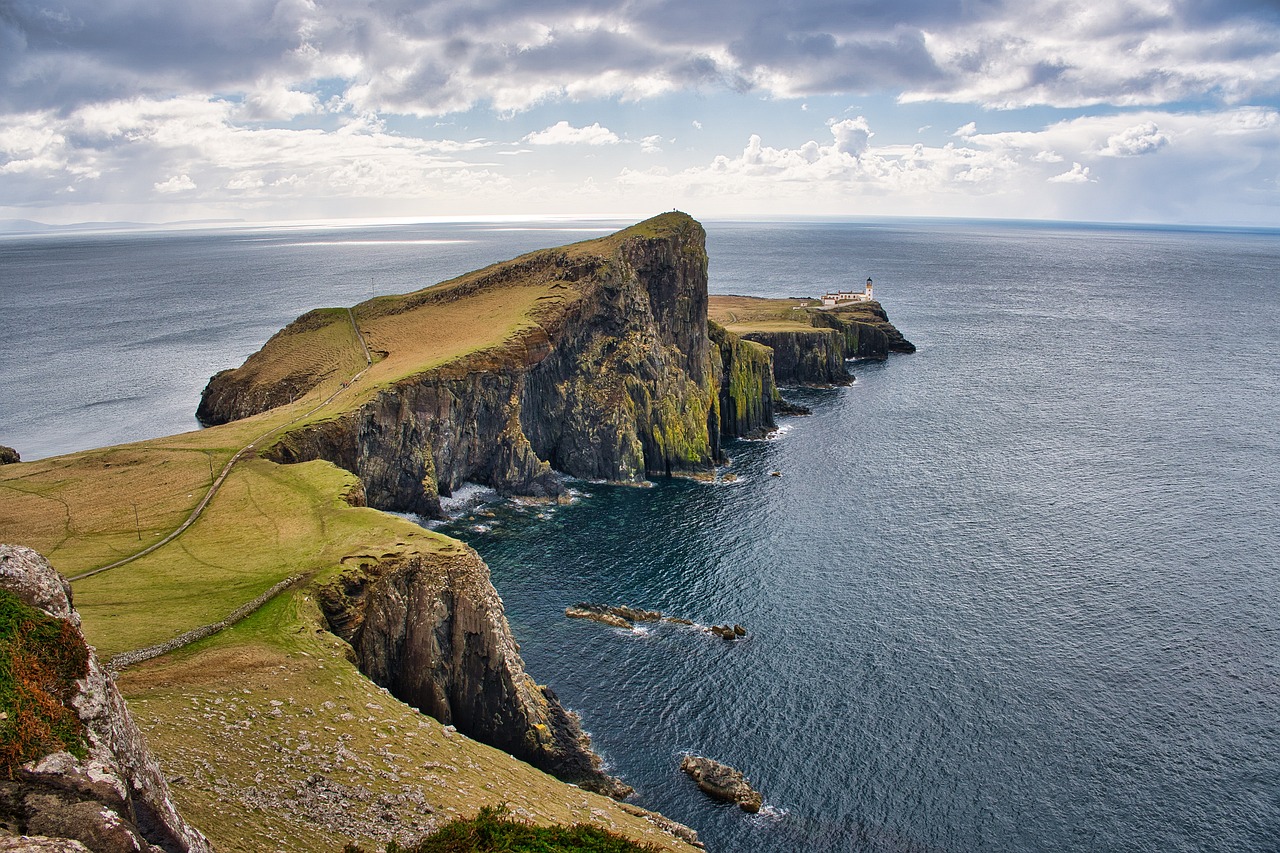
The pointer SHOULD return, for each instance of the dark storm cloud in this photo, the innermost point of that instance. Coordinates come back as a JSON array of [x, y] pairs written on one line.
[[60, 54], [430, 55]]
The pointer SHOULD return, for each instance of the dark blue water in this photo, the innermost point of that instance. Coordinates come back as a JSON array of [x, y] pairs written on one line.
[[1015, 592]]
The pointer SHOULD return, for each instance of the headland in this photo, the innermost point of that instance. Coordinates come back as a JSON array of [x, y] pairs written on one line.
[[593, 360]]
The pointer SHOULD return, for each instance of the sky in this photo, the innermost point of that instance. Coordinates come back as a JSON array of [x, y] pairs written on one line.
[[1160, 111]]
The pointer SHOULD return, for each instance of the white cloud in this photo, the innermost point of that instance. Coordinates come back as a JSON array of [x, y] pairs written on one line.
[[1047, 157], [279, 103], [1144, 138], [697, 125], [176, 184], [649, 145], [563, 133], [965, 131], [853, 135], [1078, 175]]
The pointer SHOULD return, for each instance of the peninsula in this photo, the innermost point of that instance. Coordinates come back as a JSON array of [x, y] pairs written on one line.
[[379, 691]]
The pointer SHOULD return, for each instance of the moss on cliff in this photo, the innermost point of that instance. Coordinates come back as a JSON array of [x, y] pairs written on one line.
[[41, 658]]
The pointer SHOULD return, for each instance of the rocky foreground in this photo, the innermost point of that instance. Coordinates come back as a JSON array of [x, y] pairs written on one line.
[[77, 767]]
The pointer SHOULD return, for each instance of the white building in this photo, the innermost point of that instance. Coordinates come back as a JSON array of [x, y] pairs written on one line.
[[844, 297]]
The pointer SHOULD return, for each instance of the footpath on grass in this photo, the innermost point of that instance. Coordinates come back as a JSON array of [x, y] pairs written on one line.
[[231, 463]]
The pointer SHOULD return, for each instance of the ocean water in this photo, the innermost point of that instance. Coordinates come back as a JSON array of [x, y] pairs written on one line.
[[1014, 592]]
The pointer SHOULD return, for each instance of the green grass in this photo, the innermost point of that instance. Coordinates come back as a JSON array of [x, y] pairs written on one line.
[[492, 831], [40, 659]]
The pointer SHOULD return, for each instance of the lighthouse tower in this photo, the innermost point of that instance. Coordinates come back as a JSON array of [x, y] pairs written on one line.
[[868, 290]]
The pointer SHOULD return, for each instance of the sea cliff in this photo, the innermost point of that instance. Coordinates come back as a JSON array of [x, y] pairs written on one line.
[[610, 374], [811, 344]]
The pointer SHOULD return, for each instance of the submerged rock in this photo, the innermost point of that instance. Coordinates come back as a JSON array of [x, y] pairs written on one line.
[[722, 782]]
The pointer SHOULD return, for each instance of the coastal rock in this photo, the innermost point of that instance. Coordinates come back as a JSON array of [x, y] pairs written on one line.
[[8, 455], [431, 629], [89, 777], [805, 356], [666, 824], [729, 632], [722, 782], [617, 617]]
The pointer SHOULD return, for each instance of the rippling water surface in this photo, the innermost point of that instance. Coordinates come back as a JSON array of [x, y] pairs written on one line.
[[1015, 592]]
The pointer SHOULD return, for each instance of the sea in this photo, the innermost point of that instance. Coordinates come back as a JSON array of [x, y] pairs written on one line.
[[1017, 591]]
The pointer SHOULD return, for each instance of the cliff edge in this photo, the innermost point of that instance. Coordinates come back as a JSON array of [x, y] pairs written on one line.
[[431, 629], [76, 764], [593, 360]]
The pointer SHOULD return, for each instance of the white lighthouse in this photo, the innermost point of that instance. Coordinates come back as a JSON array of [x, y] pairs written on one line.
[[836, 298]]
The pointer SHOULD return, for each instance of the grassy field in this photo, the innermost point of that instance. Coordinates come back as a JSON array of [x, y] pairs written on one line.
[[254, 720], [280, 744], [741, 314]]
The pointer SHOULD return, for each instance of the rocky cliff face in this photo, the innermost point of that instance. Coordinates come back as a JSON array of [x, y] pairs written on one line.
[[748, 390], [431, 629], [817, 355], [79, 769], [617, 381]]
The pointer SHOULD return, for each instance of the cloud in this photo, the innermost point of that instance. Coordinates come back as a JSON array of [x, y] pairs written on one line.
[[563, 133], [1134, 141], [967, 130], [1078, 175], [175, 184], [134, 149], [1220, 176], [414, 57], [852, 135], [649, 145]]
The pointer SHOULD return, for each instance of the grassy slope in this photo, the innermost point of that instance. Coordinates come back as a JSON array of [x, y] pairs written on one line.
[[269, 522]]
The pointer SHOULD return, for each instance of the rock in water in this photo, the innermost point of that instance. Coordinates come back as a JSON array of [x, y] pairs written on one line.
[[86, 773], [722, 782], [617, 617]]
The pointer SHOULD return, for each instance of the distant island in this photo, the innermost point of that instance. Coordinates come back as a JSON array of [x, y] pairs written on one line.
[[299, 725]]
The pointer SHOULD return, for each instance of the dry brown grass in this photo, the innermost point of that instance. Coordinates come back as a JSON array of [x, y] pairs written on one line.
[[749, 313]]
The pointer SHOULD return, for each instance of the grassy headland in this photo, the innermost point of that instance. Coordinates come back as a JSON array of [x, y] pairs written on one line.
[[267, 723]]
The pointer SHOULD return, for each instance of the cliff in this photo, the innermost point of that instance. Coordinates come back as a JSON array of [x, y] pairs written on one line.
[[431, 629], [811, 344], [76, 765], [605, 370]]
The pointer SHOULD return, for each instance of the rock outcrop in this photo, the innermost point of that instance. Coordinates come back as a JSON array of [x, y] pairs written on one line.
[[810, 344], [722, 782], [8, 455], [78, 769], [620, 616], [430, 628], [806, 356], [617, 378]]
